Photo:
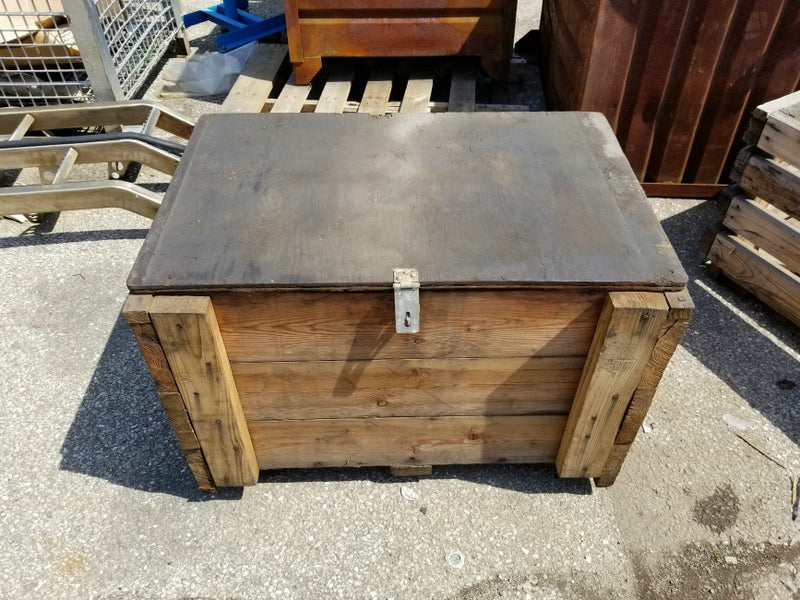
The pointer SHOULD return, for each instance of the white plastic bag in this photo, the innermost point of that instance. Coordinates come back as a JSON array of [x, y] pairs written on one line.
[[206, 74]]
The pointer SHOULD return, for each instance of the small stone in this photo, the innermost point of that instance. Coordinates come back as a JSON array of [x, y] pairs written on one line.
[[409, 493], [423, 509], [647, 428], [731, 560]]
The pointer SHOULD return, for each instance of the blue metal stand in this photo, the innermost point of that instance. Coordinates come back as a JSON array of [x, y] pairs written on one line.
[[242, 27]]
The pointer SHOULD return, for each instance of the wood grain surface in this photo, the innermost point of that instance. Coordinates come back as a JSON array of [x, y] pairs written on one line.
[[406, 440], [472, 199]]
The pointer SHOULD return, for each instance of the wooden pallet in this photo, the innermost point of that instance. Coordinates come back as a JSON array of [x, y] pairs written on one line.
[[376, 87], [759, 244]]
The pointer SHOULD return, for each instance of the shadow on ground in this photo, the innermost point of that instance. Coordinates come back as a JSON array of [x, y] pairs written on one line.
[[120, 434], [755, 366]]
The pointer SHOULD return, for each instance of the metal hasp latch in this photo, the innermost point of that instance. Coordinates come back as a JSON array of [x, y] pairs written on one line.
[[406, 300]]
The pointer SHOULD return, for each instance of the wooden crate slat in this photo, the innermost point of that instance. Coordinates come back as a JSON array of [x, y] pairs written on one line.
[[418, 94], [303, 326], [781, 137], [626, 334], [387, 388], [761, 227], [254, 84], [333, 98], [376, 93], [189, 334], [462, 90], [406, 440], [292, 97], [758, 273]]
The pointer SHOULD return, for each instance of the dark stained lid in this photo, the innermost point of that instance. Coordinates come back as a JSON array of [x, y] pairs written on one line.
[[539, 200]]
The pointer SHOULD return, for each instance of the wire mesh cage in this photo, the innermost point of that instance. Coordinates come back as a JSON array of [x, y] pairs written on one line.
[[65, 51]]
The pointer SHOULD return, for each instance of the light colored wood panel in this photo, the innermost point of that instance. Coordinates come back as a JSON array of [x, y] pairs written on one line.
[[136, 313], [776, 234], [417, 96], [627, 331], [681, 308], [777, 183], [254, 84], [292, 97], [789, 103], [386, 388], [376, 93], [462, 90], [302, 326], [781, 137], [406, 440], [758, 273], [333, 98], [188, 331]]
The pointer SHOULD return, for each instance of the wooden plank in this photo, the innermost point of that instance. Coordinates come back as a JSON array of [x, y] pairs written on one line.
[[752, 32], [188, 331], [773, 233], [462, 90], [681, 309], [781, 137], [789, 103], [405, 388], [254, 84], [651, 66], [406, 441], [605, 84], [416, 189], [136, 312], [292, 97], [418, 93], [376, 93], [617, 456], [758, 273], [304, 326], [682, 190], [704, 36], [626, 335], [334, 95], [778, 184]]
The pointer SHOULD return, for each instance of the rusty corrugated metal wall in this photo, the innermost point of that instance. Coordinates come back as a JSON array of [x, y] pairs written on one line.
[[677, 79]]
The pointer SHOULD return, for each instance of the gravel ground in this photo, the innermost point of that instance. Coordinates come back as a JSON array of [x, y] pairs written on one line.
[[97, 501]]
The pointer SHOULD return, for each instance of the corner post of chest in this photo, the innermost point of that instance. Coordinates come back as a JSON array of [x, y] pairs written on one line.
[[627, 332], [192, 353]]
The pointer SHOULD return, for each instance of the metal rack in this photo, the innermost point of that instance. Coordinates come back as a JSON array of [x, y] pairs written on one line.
[[66, 51]]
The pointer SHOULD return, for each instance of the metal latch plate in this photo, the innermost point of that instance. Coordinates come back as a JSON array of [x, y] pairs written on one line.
[[406, 300]]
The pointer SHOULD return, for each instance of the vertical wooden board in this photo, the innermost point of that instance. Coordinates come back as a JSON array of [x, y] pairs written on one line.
[[136, 313], [292, 97], [254, 84], [703, 38], [681, 308], [462, 90], [616, 458], [376, 93], [610, 60], [418, 93], [650, 70], [337, 88], [189, 334], [626, 334], [750, 34], [758, 273]]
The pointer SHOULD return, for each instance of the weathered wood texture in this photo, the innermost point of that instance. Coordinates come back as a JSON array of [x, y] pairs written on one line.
[[681, 308], [758, 245], [626, 335], [677, 80], [328, 28], [254, 84], [188, 331], [136, 313], [463, 220], [406, 440]]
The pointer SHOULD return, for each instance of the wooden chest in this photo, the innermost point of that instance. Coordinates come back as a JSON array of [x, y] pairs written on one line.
[[328, 28], [265, 303]]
